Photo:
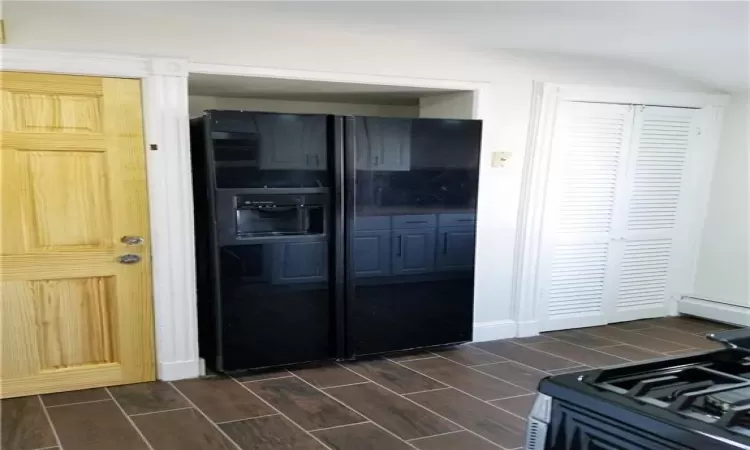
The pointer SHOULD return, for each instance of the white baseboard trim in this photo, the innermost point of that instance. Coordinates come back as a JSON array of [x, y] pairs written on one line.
[[178, 370], [490, 331], [714, 310], [528, 328]]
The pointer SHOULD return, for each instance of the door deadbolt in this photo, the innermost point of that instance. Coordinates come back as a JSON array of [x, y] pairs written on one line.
[[129, 258]]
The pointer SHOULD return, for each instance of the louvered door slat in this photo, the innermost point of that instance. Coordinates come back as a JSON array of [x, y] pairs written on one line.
[[586, 168], [644, 274], [657, 167]]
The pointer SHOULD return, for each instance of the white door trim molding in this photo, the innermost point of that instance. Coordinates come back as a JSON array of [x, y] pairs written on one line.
[[166, 125], [334, 77], [165, 113], [546, 98]]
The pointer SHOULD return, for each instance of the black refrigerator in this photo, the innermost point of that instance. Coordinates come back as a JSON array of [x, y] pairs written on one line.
[[326, 237]]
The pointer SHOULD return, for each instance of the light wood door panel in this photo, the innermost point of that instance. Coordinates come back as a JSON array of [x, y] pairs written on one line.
[[73, 183]]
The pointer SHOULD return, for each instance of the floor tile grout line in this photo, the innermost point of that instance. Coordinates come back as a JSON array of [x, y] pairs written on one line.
[[672, 330], [264, 379], [634, 346], [630, 345], [436, 435], [132, 423], [354, 410], [341, 426], [200, 411], [428, 409], [532, 367], [579, 330], [630, 332], [247, 418], [464, 392], [479, 371], [507, 360], [610, 354], [342, 385], [49, 420], [284, 415], [79, 403], [512, 396], [447, 386], [159, 412], [558, 356], [412, 359], [472, 345], [489, 364]]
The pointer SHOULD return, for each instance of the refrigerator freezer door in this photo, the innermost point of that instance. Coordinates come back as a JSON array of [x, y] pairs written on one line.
[[402, 294]]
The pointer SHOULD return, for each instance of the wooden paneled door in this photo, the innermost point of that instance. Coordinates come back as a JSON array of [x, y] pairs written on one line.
[[75, 263]]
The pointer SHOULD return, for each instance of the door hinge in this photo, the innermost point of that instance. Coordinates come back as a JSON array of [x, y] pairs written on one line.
[[153, 147]]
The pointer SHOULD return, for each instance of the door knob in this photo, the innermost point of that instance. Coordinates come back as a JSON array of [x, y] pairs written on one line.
[[131, 240], [128, 258]]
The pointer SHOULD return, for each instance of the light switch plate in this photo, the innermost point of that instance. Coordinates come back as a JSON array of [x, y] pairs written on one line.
[[500, 159]]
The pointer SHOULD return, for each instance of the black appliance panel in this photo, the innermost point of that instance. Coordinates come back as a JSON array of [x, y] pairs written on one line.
[[276, 306], [246, 218], [411, 231], [379, 258], [265, 150], [263, 253], [695, 402]]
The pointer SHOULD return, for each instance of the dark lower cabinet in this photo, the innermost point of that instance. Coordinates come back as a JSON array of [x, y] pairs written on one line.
[[372, 253], [455, 248], [413, 251], [300, 262]]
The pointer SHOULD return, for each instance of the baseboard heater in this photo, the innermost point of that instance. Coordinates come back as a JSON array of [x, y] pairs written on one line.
[[717, 310]]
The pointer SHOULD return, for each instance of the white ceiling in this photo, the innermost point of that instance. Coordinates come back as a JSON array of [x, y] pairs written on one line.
[[303, 90], [707, 41]]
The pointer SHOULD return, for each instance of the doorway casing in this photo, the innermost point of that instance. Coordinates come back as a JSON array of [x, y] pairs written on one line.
[[166, 123]]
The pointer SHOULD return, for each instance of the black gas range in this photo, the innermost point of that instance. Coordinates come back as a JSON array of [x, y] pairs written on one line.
[[698, 402]]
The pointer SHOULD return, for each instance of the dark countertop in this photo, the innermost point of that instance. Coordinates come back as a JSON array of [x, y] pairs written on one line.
[[405, 210]]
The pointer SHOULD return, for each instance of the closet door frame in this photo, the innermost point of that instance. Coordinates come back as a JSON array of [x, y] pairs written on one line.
[[546, 98]]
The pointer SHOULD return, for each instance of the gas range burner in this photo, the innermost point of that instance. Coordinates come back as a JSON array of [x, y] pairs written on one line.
[[713, 388]]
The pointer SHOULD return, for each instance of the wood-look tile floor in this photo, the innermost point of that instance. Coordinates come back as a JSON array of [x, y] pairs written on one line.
[[473, 396]]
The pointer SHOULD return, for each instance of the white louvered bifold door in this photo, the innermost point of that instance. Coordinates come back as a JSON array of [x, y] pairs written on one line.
[[587, 167], [653, 210]]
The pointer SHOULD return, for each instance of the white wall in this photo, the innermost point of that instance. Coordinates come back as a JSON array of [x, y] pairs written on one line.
[[458, 105], [723, 266], [237, 33], [198, 103]]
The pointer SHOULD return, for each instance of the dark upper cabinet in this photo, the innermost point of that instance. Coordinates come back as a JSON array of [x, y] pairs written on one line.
[[372, 253], [413, 251], [455, 248], [444, 143], [300, 262], [291, 142], [383, 143]]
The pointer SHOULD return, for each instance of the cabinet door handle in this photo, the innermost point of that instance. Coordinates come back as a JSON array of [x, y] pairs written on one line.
[[376, 160], [399, 249], [317, 161], [416, 221], [445, 243], [307, 160]]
